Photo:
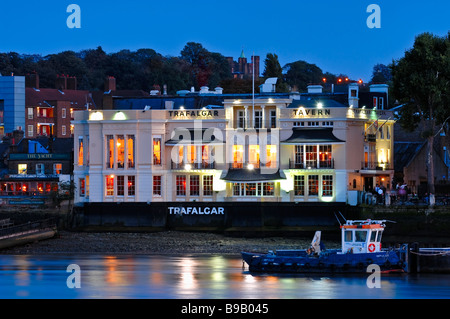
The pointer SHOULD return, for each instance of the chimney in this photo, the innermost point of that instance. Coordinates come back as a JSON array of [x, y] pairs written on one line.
[[218, 90], [353, 92], [168, 105], [110, 84], [71, 83], [17, 136], [32, 80], [315, 88], [204, 90], [61, 82]]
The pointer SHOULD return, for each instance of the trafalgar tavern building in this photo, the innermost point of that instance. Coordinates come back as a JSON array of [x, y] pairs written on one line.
[[316, 148]]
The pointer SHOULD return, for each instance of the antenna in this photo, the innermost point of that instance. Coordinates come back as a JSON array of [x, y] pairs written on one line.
[[337, 219], [342, 216]]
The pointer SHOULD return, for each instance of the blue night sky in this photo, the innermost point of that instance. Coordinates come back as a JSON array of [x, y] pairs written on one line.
[[332, 34]]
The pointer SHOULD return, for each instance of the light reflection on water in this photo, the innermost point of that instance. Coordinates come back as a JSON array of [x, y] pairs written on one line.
[[193, 277]]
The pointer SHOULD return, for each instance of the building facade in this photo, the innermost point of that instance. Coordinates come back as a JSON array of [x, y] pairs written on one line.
[[270, 148], [12, 104]]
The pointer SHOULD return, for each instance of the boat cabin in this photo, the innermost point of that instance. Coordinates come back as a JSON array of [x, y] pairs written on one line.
[[362, 236]]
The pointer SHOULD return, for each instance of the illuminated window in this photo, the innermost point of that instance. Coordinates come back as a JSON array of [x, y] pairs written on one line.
[[271, 157], [254, 189], [181, 185], [131, 185], [311, 156], [250, 189], [327, 185], [299, 185], [238, 156], [180, 154], [157, 184], [194, 185], [253, 155], [238, 189], [57, 168], [109, 151], [268, 189], [71, 129], [206, 155], [313, 185], [207, 185], [325, 158], [192, 154], [120, 151], [130, 151], [157, 150], [110, 185], [22, 169], [40, 187], [80, 151], [298, 156], [82, 183], [120, 185]]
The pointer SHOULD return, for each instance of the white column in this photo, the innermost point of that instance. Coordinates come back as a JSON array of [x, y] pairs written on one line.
[[263, 116], [246, 125]]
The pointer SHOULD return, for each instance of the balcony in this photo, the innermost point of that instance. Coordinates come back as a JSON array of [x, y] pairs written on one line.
[[377, 166], [189, 166], [312, 164]]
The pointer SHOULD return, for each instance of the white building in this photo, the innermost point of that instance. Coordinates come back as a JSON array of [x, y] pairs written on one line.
[[277, 149]]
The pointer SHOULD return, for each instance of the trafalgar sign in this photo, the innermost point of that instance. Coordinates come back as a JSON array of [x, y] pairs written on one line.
[[193, 210]]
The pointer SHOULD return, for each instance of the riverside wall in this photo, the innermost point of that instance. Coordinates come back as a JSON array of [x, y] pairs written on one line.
[[409, 223]]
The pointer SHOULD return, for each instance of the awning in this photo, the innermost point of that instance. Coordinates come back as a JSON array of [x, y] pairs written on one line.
[[194, 136], [313, 136], [252, 176]]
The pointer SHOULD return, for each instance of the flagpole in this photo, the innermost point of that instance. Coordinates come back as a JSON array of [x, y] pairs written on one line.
[[253, 87]]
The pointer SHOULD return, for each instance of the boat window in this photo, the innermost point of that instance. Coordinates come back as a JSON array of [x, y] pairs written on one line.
[[360, 235], [373, 235], [348, 236], [379, 235]]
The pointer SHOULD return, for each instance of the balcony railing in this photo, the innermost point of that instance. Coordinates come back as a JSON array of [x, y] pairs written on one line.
[[187, 166], [312, 164], [378, 166], [258, 164]]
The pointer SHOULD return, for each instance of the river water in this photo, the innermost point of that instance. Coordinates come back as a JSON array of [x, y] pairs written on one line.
[[192, 277]]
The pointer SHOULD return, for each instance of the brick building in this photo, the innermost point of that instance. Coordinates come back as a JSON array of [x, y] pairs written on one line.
[[243, 69], [49, 111]]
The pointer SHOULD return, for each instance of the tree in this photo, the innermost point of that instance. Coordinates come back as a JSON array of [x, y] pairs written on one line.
[[272, 69], [199, 59], [421, 80], [300, 74], [381, 74]]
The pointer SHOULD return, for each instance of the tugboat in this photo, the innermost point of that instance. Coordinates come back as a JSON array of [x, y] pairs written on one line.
[[361, 246]]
